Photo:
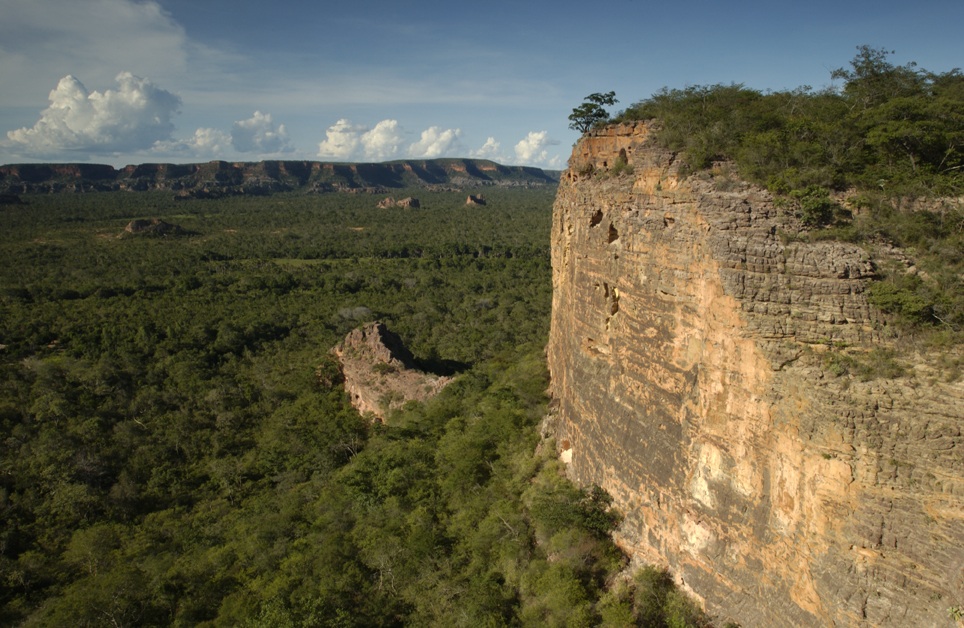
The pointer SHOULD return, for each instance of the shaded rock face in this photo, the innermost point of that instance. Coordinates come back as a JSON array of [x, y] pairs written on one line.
[[474, 199], [686, 353], [380, 373], [220, 178]]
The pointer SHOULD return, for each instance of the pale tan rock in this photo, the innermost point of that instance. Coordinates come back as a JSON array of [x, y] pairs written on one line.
[[687, 354], [408, 202], [379, 372]]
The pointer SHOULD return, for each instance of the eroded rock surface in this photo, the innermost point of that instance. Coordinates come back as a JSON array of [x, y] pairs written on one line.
[[380, 373], [153, 226], [687, 356], [405, 203]]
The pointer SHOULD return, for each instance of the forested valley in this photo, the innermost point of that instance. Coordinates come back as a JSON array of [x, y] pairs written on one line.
[[177, 448]]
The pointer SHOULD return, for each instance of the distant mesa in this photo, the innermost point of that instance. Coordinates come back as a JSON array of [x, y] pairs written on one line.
[[380, 374], [475, 200], [153, 227], [218, 179], [405, 203]]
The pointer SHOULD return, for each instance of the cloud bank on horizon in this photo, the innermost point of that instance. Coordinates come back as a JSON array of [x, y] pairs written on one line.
[[137, 118], [145, 113]]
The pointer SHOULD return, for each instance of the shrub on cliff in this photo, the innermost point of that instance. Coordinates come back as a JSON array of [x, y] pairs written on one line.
[[892, 133], [650, 599]]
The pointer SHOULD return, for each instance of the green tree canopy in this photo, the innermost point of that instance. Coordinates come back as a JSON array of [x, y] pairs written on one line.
[[591, 112]]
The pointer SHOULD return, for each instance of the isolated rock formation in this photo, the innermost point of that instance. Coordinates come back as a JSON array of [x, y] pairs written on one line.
[[153, 226], [406, 203], [475, 199], [687, 353], [380, 373]]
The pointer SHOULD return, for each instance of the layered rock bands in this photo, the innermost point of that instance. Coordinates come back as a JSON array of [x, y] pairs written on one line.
[[687, 352]]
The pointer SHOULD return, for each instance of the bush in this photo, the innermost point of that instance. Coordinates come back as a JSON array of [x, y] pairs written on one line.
[[901, 297], [816, 207]]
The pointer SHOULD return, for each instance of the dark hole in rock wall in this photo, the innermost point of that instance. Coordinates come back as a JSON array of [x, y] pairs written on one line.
[[596, 218]]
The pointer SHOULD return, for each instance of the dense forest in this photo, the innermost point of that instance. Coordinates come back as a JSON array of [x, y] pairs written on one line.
[[177, 449], [876, 160]]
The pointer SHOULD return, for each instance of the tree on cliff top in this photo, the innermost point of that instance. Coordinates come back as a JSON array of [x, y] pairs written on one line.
[[586, 115]]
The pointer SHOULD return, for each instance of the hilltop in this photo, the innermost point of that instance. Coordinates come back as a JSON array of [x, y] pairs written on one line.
[[265, 177]]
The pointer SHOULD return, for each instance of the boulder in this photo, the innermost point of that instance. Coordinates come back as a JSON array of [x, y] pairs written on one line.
[[380, 374], [409, 203], [153, 226]]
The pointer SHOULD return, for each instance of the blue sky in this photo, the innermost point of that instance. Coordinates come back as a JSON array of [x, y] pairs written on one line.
[[133, 81]]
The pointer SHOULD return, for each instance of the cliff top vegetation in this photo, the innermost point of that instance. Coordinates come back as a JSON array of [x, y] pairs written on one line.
[[899, 129], [891, 136]]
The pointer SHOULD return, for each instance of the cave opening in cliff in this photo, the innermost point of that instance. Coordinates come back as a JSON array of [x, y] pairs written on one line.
[[596, 218]]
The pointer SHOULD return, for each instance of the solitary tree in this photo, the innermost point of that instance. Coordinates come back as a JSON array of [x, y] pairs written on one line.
[[586, 115]]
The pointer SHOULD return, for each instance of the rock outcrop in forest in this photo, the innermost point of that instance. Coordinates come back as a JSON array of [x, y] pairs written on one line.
[[689, 354], [380, 373]]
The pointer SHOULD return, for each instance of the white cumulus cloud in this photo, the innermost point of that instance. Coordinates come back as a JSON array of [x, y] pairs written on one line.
[[205, 143], [130, 118], [259, 134], [342, 140], [490, 150], [350, 142], [533, 150], [383, 141], [436, 142]]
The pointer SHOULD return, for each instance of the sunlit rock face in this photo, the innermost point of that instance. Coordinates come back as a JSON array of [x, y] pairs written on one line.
[[380, 373], [688, 355]]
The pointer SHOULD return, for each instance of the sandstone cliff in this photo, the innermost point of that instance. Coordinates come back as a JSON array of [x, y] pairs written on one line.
[[687, 354], [380, 373]]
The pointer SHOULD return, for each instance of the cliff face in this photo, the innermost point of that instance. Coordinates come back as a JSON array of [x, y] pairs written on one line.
[[687, 356]]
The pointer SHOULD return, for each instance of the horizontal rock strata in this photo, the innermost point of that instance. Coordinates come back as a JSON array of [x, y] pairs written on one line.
[[687, 351]]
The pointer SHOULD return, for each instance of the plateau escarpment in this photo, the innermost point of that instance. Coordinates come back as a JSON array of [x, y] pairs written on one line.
[[266, 177], [688, 354]]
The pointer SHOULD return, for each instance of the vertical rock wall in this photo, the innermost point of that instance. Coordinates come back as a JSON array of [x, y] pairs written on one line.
[[686, 353]]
